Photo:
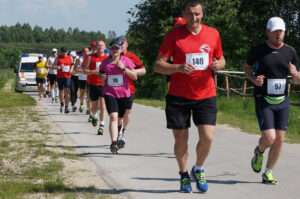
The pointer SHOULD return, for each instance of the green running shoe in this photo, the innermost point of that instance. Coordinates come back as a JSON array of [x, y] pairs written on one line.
[[81, 108], [94, 121], [100, 130], [267, 178], [90, 118], [257, 160]]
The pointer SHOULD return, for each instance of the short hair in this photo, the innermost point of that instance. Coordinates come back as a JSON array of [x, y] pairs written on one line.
[[191, 3]]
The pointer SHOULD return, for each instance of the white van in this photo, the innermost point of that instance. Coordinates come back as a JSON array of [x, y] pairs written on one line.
[[25, 80]]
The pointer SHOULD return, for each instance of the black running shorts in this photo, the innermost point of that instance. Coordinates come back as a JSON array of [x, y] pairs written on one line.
[[116, 105], [272, 116], [82, 84], [179, 111], [51, 79], [95, 92], [130, 102]]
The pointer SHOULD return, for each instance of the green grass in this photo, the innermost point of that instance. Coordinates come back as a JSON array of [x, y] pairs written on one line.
[[240, 114], [5, 75]]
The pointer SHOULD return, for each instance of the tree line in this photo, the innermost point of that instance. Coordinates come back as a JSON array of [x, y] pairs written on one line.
[[241, 23]]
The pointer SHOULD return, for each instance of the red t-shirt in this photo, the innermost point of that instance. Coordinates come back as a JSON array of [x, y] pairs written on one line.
[[198, 50], [94, 79], [64, 66], [138, 64]]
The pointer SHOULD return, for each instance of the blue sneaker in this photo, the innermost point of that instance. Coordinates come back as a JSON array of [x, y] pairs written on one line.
[[201, 183], [185, 184]]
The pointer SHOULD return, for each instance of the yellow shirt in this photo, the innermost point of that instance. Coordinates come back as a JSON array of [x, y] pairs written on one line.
[[40, 69]]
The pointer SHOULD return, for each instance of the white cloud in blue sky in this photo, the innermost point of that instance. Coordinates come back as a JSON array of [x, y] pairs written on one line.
[[88, 15]]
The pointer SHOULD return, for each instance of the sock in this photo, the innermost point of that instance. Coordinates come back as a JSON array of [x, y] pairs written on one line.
[[258, 151], [182, 174], [268, 170], [196, 167], [56, 92], [52, 93], [119, 128], [101, 123], [61, 104], [113, 142]]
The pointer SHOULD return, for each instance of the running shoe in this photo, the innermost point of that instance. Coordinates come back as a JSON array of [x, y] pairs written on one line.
[[121, 141], [185, 184], [74, 108], [49, 94], [90, 118], [267, 178], [201, 183], [94, 121], [114, 148], [87, 112], [61, 109], [67, 110], [81, 108], [100, 130], [257, 160], [52, 100], [56, 99]]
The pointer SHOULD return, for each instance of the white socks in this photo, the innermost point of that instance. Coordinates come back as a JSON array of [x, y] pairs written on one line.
[[196, 167]]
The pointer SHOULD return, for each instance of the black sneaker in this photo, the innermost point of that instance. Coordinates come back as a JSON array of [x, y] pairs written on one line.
[[67, 110], [74, 108], [114, 148]]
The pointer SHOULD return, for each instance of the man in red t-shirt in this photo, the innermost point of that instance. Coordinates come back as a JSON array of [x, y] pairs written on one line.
[[95, 85], [197, 51], [140, 70], [63, 64]]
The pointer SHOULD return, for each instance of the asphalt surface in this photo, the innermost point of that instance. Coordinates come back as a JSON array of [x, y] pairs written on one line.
[[146, 167]]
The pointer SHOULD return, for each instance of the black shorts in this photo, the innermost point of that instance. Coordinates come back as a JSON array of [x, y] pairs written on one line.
[[51, 79], [272, 116], [82, 84], [63, 83], [116, 105], [95, 92], [130, 102], [179, 111]]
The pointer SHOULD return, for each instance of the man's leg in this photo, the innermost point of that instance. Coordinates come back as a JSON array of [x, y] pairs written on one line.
[[275, 149], [181, 148]]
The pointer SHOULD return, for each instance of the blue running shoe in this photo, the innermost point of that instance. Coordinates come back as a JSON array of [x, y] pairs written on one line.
[[201, 183], [185, 184]]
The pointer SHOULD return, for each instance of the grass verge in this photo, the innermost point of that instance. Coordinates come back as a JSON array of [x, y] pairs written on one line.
[[28, 169], [240, 114]]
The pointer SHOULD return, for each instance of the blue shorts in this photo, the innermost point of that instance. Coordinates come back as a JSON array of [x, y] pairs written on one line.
[[63, 83], [272, 116], [41, 80]]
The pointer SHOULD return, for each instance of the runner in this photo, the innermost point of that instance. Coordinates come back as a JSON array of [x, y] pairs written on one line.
[[82, 78], [74, 82], [63, 64], [52, 76], [95, 85], [274, 61], [115, 72], [197, 51], [140, 70], [41, 75]]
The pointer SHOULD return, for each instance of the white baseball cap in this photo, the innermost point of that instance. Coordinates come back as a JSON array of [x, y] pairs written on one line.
[[276, 23], [54, 50], [73, 53]]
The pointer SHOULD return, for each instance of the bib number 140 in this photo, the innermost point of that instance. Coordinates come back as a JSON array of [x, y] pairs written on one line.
[[199, 60]]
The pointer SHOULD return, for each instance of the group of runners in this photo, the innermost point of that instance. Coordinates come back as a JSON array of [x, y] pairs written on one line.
[[189, 54], [106, 79]]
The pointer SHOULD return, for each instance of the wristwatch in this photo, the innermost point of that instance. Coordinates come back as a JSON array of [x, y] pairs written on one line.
[[123, 69]]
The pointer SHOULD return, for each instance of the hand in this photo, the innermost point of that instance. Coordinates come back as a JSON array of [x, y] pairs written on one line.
[[120, 64], [186, 68], [293, 69], [259, 80], [215, 65], [103, 76]]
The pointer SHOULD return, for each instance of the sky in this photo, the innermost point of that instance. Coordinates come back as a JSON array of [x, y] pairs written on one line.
[[88, 15]]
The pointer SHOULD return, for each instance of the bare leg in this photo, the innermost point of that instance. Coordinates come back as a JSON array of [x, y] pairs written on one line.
[[113, 126], [126, 118], [102, 109], [206, 134], [67, 96], [181, 148], [275, 149]]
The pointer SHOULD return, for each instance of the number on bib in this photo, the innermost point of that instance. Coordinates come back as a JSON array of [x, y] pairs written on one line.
[[66, 69], [115, 80], [199, 60], [98, 65], [276, 86], [40, 71]]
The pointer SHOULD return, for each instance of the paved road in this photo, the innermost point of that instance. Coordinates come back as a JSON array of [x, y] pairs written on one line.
[[146, 168]]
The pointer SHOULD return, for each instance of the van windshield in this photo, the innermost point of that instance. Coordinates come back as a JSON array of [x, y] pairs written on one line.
[[27, 67]]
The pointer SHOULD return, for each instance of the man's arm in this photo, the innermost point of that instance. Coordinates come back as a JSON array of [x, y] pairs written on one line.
[[218, 64], [162, 66], [257, 80]]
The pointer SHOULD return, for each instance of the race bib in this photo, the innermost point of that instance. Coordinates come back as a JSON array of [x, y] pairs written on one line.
[[276, 86], [41, 71], [98, 65], [66, 69], [115, 80], [199, 60]]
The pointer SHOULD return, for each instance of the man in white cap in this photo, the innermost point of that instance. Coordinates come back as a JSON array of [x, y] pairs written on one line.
[[273, 61], [52, 76]]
